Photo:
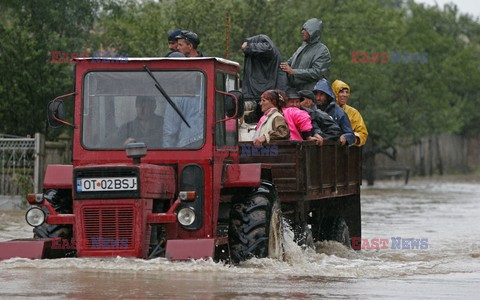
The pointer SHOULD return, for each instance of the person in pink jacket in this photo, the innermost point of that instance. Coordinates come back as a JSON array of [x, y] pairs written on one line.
[[298, 121]]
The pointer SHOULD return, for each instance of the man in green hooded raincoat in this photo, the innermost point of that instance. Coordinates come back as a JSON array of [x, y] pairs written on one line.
[[311, 61]]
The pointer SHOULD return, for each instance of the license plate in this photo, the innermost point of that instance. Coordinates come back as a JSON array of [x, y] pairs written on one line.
[[107, 184]]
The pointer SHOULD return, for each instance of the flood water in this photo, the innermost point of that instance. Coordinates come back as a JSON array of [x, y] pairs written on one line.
[[445, 211]]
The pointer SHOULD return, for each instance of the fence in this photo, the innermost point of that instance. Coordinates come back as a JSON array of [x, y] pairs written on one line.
[[438, 154], [24, 161]]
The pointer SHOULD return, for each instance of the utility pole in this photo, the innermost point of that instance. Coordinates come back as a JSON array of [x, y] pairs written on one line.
[[227, 35]]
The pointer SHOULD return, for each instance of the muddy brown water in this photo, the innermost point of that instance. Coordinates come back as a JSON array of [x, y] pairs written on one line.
[[445, 211]]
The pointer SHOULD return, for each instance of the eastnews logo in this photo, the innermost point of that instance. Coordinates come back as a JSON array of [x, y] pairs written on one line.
[[97, 243], [359, 57], [59, 57], [251, 150], [398, 243]]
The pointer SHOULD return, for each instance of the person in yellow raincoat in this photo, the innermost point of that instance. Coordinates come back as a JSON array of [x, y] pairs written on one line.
[[342, 93]]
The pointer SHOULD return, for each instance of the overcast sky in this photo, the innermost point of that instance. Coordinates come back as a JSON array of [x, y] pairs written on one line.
[[471, 7]]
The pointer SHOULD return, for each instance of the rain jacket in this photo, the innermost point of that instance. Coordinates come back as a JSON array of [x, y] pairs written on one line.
[[358, 125], [273, 126], [335, 111], [262, 67], [323, 124], [312, 59], [299, 123]]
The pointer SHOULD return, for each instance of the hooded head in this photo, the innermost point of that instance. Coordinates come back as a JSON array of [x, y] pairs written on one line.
[[314, 28], [260, 38], [323, 86], [337, 86]]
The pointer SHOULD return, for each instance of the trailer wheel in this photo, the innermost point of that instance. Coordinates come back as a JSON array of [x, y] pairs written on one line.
[[334, 229], [303, 235], [255, 229]]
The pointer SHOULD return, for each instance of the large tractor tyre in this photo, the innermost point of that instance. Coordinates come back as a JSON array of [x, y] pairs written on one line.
[[52, 231], [255, 228], [334, 229]]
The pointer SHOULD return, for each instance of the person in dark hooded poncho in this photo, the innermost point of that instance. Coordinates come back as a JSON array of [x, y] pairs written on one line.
[[261, 67], [261, 71]]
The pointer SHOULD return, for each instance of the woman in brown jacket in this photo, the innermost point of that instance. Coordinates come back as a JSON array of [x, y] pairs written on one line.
[[272, 125]]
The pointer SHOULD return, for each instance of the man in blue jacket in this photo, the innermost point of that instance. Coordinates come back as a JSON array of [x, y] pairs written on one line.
[[326, 102]]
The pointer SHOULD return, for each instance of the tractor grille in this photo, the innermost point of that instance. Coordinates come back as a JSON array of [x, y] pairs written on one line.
[[109, 228]]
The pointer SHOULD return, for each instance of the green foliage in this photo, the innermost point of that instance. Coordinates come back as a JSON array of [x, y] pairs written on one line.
[[399, 101], [29, 31]]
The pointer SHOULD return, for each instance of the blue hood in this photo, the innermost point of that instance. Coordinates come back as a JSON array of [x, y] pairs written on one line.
[[324, 86]]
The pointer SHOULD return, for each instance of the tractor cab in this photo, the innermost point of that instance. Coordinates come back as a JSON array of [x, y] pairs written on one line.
[[149, 139]]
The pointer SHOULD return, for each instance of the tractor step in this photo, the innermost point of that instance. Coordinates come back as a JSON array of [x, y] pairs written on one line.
[[190, 249], [29, 248]]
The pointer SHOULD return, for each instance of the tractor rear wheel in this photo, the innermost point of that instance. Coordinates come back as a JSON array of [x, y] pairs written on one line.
[[255, 228]]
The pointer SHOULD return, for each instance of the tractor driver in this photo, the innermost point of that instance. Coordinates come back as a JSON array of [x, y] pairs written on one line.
[[146, 127]]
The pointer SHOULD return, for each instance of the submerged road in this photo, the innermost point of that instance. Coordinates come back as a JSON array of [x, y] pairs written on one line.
[[434, 254]]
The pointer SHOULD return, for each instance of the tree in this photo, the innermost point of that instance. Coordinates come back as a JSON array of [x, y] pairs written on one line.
[[29, 31], [400, 102]]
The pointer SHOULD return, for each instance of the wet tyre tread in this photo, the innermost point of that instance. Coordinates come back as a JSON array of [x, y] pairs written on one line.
[[249, 227]]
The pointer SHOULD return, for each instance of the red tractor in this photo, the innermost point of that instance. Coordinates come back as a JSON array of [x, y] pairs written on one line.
[[158, 172]]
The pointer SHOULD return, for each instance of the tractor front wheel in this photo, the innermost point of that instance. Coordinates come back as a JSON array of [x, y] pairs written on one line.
[[61, 201], [255, 228]]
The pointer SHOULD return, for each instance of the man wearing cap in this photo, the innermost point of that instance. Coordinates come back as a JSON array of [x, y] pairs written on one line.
[[312, 59], [173, 44], [342, 93], [326, 102], [323, 124], [188, 42]]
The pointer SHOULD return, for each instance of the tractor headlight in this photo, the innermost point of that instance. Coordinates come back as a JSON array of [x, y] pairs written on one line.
[[35, 217], [186, 216]]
